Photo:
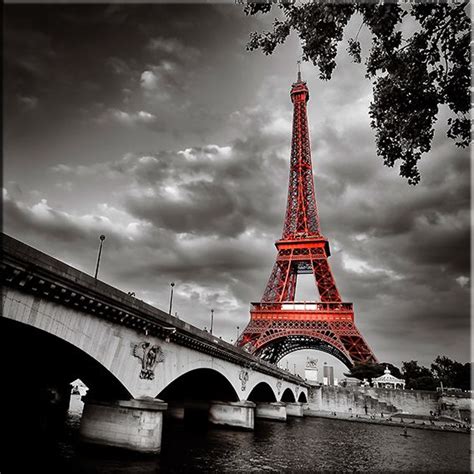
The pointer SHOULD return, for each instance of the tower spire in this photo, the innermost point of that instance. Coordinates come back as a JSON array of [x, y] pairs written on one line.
[[301, 212], [299, 70]]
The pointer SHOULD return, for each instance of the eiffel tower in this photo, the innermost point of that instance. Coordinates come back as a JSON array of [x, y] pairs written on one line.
[[278, 324]]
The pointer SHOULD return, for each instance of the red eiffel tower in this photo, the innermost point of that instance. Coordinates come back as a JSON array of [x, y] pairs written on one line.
[[279, 325]]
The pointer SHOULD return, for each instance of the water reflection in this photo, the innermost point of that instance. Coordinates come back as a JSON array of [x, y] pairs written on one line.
[[299, 445]]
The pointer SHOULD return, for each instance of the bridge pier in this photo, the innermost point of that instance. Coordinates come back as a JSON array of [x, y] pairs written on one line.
[[236, 414], [271, 411], [294, 409], [132, 424]]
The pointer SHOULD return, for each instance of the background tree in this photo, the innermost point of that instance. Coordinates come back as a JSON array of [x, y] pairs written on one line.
[[412, 74], [370, 371], [418, 377], [452, 373], [443, 370]]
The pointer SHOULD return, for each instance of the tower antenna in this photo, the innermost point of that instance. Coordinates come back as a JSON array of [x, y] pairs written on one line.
[[299, 70]]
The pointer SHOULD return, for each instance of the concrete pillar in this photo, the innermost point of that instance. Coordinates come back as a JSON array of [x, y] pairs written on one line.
[[271, 411], [131, 424], [236, 414], [294, 409]]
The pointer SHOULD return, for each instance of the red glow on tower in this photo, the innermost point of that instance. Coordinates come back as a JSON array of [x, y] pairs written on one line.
[[278, 324]]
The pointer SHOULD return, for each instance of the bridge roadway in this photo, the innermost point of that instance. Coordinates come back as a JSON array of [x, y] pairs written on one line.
[[139, 362]]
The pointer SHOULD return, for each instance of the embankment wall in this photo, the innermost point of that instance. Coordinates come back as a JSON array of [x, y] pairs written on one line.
[[377, 400]]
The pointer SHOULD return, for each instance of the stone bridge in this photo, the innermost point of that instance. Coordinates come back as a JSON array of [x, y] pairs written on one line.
[[139, 363]]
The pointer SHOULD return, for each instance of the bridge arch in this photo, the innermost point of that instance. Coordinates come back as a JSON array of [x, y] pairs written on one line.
[[288, 396], [277, 345], [201, 384], [302, 398], [44, 360], [262, 392]]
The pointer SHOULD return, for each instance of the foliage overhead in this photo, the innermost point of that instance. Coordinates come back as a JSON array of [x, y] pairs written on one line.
[[412, 74]]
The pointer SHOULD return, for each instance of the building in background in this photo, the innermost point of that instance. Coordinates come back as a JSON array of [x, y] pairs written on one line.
[[387, 380], [311, 371], [79, 387], [328, 374], [350, 382]]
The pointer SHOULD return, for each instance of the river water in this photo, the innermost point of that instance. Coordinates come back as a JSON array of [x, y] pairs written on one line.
[[299, 445]]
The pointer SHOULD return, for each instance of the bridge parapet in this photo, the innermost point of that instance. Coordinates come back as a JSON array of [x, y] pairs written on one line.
[[35, 272]]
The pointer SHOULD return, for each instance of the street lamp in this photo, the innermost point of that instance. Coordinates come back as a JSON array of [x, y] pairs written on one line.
[[212, 320], [101, 238], [237, 338], [171, 297]]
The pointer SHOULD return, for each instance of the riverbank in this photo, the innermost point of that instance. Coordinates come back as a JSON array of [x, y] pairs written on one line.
[[398, 420]]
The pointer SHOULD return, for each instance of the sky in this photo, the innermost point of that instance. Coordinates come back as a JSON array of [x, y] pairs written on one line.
[[152, 125]]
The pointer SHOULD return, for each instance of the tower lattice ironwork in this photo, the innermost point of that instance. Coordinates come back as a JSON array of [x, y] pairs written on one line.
[[279, 325]]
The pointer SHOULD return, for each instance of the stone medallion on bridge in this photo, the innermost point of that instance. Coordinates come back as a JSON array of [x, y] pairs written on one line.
[[149, 355], [244, 377]]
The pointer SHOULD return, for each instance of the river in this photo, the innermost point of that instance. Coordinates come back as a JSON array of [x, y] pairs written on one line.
[[299, 445]]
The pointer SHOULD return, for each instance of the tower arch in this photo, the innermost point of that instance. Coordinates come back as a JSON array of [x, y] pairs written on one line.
[[277, 347]]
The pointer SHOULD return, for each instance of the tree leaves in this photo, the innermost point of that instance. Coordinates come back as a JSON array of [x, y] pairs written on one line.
[[354, 50], [444, 370], [412, 76]]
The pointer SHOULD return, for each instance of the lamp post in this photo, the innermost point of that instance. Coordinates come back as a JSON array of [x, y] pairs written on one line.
[[101, 238], [237, 338], [212, 320], [171, 297]]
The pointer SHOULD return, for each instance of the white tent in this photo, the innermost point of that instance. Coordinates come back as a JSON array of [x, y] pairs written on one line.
[[387, 380]]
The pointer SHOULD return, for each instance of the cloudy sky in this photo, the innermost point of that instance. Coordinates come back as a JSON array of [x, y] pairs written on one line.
[[153, 125]]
